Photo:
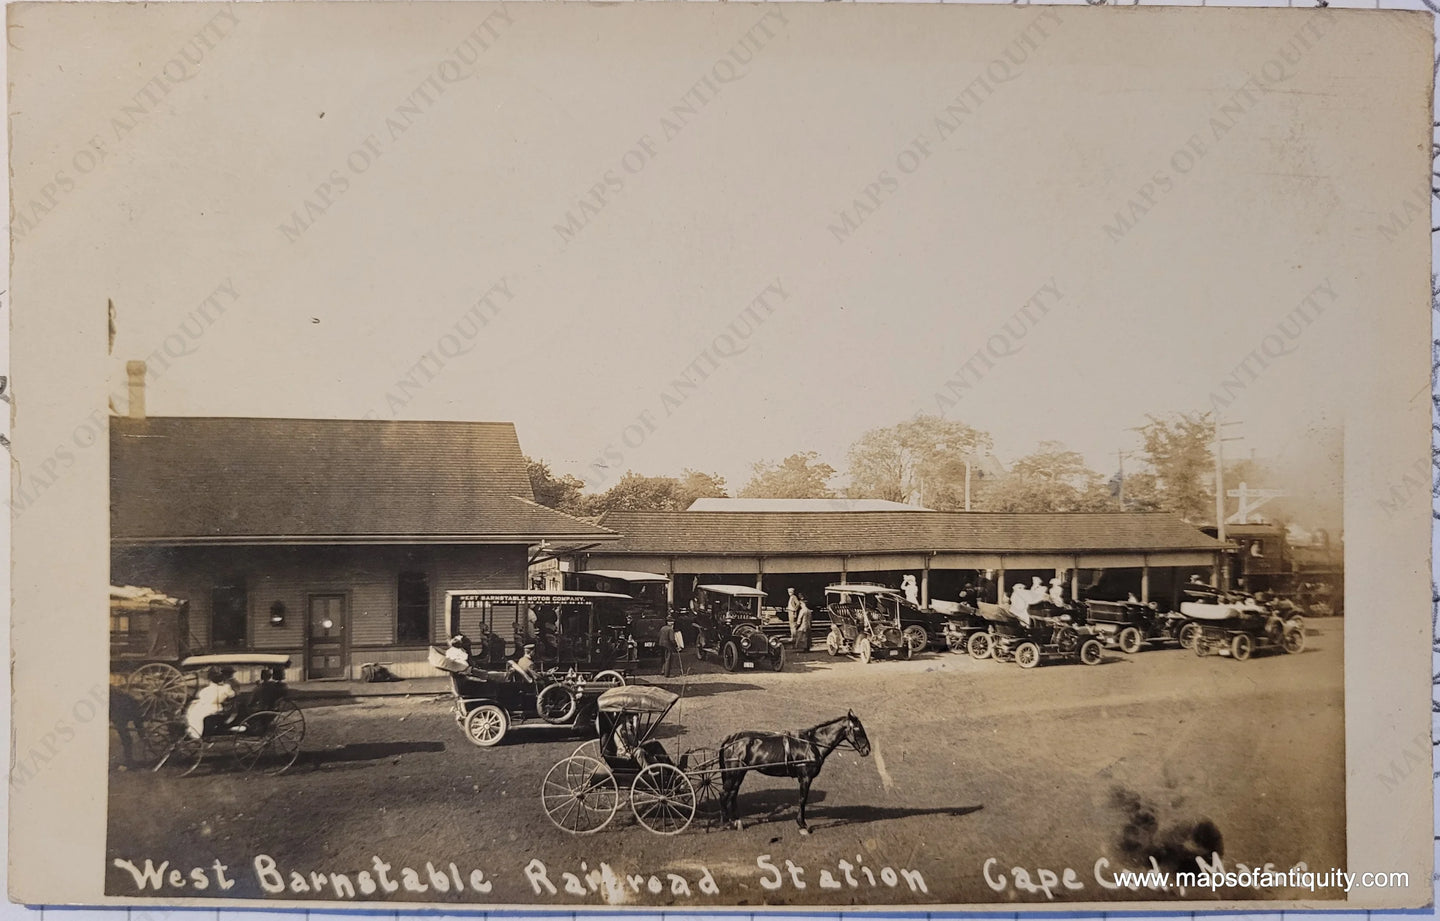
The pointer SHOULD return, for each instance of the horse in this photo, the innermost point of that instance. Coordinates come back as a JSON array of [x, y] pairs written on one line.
[[127, 716], [800, 755]]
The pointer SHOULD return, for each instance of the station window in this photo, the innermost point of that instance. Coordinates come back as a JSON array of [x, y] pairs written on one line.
[[412, 614], [229, 607]]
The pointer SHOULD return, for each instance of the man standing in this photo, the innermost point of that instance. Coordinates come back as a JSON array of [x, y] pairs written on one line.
[[792, 613], [668, 647]]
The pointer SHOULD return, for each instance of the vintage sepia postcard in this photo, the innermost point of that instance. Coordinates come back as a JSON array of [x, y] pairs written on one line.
[[588, 456]]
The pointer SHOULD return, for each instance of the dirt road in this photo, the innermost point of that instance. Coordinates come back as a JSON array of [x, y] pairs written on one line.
[[1064, 766]]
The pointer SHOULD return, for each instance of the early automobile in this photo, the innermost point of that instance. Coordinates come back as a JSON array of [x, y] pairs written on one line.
[[862, 624], [486, 703], [568, 629], [728, 618], [1131, 625], [923, 628], [1011, 639], [263, 733], [645, 611], [1237, 626]]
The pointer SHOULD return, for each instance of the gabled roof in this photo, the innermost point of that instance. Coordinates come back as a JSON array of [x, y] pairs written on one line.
[[801, 505], [237, 480], [771, 533]]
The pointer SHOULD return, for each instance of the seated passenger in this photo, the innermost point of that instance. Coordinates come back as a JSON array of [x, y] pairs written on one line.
[[213, 708], [524, 667], [268, 691], [1057, 593], [1020, 600]]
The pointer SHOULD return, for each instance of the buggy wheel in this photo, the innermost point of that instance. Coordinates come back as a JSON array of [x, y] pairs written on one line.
[[1091, 652], [161, 689], [702, 766], [580, 795], [589, 748], [663, 799], [556, 703], [730, 656], [832, 643], [269, 741], [979, 645], [862, 648], [1131, 640], [1294, 639], [1241, 646], [916, 637], [486, 725], [184, 754], [609, 676], [1027, 655], [1189, 634], [777, 659]]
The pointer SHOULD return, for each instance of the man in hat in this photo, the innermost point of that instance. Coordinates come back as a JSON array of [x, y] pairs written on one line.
[[525, 665], [668, 647], [792, 614]]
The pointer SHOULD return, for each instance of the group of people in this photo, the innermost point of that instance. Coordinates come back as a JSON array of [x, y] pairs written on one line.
[[1021, 599], [218, 707]]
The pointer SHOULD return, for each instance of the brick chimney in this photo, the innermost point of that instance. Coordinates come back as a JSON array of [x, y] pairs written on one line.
[[135, 371]]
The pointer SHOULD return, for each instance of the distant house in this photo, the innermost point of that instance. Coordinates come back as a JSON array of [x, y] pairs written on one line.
[[331, 540]]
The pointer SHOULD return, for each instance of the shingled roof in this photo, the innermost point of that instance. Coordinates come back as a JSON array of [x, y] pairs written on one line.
[[227, 480], [774, 533]]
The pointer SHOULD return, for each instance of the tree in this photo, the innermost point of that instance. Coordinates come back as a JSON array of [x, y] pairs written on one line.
[[1053, 479], [1181, 477], [696, 485], [562, 493], [922, 460], [799, 476]]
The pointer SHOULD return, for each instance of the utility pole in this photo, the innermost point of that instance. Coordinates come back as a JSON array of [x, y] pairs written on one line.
[[1121, 455], [1222, 577]]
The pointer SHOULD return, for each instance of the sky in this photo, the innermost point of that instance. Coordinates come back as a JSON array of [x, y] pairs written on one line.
[[713, 239]]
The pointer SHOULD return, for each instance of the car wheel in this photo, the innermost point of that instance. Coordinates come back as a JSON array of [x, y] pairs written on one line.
[[1241, 646], [486, 725], [916, 637], [832, 643], [1130, 640], [1189, 634], [979, 645], [730, 656], [862, 648], [1027, 655], [777, 659], [1091, 653], [1294, 640]]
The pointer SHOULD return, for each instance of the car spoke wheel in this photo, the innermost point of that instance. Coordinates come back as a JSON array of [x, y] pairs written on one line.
[[1027, 655], [979, 645], [1241, 647], [1294, 639], [1131, 640], [663, 799], [832, 643], [955, 642], [557, 703], [1189, 635], [580, 795], [777, 659], [161, 690], [1091, 652], [730, 656], [862, 648], [916, 637], [486, 725]]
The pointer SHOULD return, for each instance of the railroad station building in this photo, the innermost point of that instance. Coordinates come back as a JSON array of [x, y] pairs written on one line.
[[333, 541], [1100, 555]]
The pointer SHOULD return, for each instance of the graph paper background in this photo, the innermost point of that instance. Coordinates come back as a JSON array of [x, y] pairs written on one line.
[[10, 912]]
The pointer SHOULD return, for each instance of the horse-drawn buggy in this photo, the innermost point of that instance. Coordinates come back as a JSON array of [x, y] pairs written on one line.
[[628, 764], [728, 621], [1238, 626], [1011, 639], [863, 625], [260, 729], [1130, 625], [149, 636], [486, 703]]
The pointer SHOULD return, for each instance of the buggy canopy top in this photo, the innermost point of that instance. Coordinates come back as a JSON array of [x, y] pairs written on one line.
[[641, 699], [862, 588], [627, 575], [130, 598]]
